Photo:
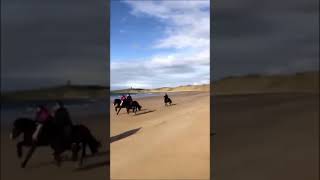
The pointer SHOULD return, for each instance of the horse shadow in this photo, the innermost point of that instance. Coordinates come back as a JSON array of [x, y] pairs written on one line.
[[145, 111], [93, 166], [123, 135], [98, 154], [69, 159], [107, 162]]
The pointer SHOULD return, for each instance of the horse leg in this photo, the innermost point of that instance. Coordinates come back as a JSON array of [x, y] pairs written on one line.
[[118, 110], [19, 149], [58, 149], [31, 151], [84, 145], [75, 150], [57, 158]]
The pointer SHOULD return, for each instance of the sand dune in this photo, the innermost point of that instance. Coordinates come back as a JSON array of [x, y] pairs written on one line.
[[165, 142], [253, 84], [57, 92], [248, 84], [187, 88]]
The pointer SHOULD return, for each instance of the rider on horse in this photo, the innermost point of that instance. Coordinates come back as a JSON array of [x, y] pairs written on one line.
[[63, 120], [129, 98], [123, 98], [42, 116], [165, 97]]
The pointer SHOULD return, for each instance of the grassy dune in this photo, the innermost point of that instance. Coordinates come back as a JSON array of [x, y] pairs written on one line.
[[299, 82], [203, 88], [250, 84], [59, 92]]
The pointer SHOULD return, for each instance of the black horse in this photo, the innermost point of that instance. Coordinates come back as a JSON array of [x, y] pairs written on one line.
[[167, 101], [81, 136], [116, 104], [134, 105]]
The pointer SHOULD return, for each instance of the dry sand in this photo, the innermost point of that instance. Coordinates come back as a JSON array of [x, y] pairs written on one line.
[[162, 142], [41, 165], [267, 136]]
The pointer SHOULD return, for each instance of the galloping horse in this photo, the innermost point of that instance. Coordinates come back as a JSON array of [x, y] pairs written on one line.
[[81, 135], [167, 100], [134, 105]]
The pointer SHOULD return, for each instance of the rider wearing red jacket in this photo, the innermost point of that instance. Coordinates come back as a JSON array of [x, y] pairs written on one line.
[[123, 98], [42, 116]]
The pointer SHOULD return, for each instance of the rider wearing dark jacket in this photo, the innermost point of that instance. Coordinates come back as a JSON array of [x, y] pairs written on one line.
[[165, 97], [129, 98], [63, 120]]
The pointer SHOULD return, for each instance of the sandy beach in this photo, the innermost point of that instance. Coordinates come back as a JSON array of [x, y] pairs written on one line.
[[162, 142], [259, 136], [41, 164], [266, 136]]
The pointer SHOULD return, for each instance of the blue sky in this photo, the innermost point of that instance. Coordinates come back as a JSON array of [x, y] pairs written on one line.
[[159, 43]]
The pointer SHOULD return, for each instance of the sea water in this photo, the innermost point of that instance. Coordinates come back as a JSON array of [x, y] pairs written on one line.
[[134, 95], [78, 108]]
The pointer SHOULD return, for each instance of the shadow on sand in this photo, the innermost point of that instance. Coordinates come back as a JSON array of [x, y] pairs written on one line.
[[94, 165], [145, 111], [68, 159], [124, 135], [99, 154], [107, 162]]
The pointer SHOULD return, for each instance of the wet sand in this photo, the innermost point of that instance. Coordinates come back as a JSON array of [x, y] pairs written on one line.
[[162, 142]]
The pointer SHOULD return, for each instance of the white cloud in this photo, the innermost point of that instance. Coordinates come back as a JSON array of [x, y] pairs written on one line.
[[187, 25]]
